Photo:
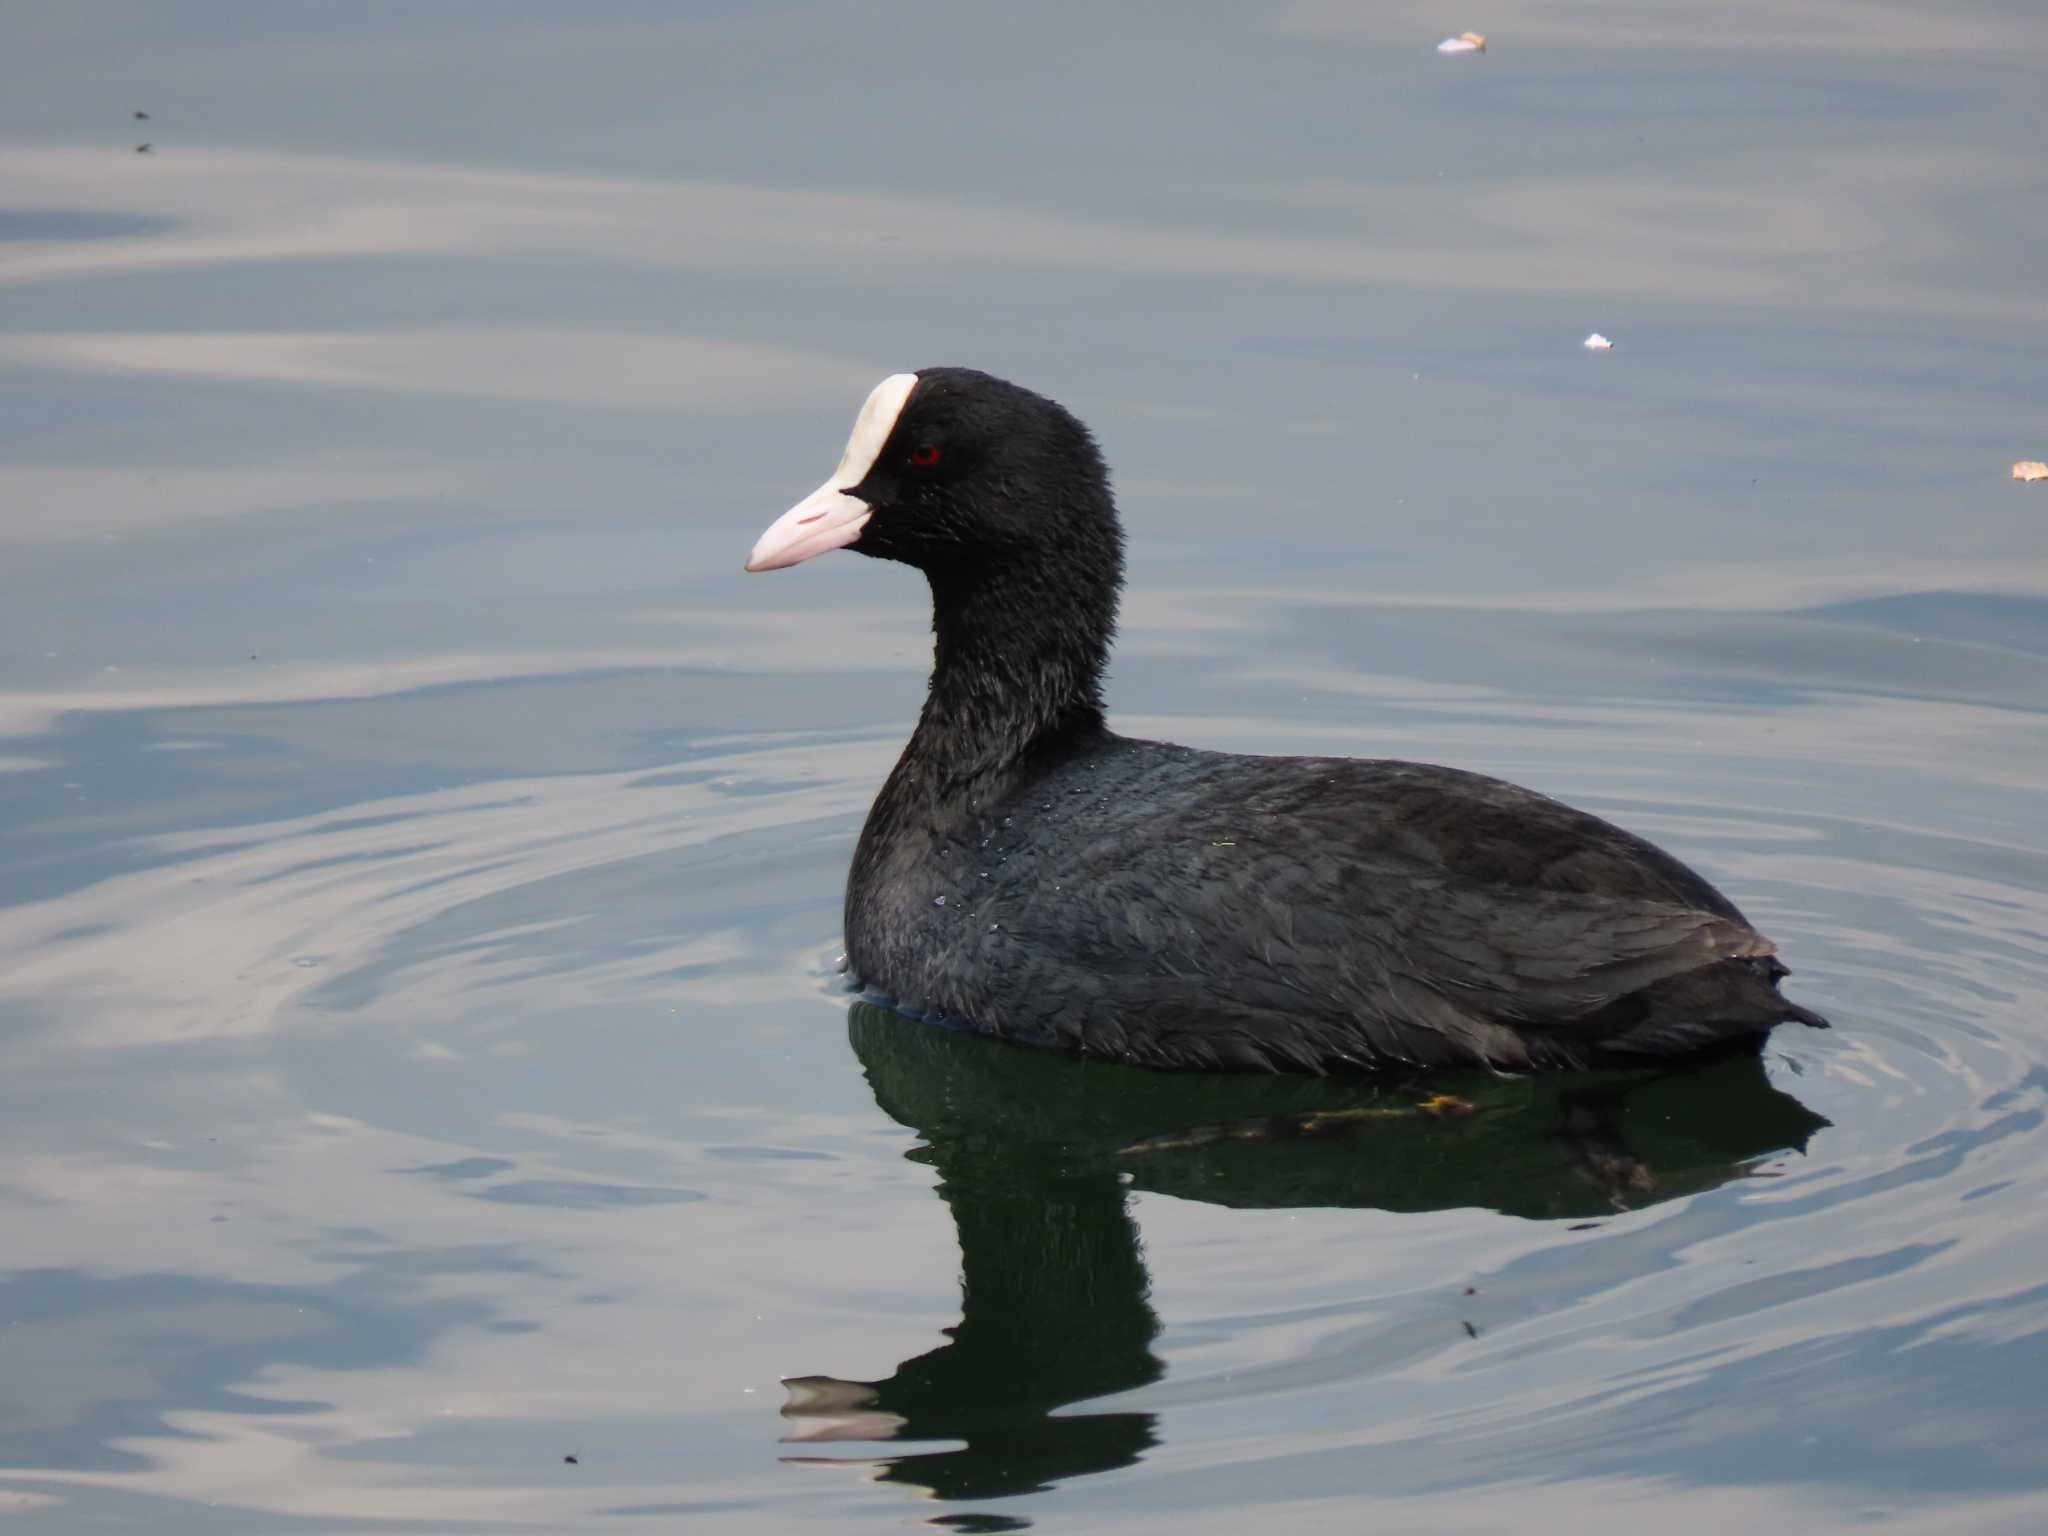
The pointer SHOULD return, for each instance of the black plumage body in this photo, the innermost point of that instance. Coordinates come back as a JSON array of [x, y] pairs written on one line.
[[1028, 873], [1155, 904]]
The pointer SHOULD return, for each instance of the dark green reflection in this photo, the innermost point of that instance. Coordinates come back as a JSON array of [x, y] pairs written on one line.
[[1036, 1152]]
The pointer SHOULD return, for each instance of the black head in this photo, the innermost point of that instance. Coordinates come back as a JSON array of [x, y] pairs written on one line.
[[957, 472]]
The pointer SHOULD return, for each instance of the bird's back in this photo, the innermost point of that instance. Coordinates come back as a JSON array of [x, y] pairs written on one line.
[[1178, 908]]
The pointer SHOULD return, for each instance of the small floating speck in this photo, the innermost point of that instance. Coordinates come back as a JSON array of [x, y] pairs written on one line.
[[1597, 343], [1464, 42], [939, 902], [2030, 469]]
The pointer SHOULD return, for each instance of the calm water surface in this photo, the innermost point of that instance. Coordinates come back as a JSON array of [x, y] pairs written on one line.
[[427, 1101]]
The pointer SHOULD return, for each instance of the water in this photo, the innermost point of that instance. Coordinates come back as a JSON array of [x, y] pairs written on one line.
[[420, 849]]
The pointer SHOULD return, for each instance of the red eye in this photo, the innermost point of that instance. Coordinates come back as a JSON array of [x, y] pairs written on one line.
[[925, 455]]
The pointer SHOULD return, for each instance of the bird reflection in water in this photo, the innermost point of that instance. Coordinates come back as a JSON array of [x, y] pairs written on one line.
[[1036, 1154]]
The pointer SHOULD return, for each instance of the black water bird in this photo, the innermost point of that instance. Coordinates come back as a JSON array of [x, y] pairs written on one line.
[[1030, 874]]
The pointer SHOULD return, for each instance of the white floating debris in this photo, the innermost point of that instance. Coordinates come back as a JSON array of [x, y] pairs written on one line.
[[1464, 42], [1598, 343], [2030, 469]]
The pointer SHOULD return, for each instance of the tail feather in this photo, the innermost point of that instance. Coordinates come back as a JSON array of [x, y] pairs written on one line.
[[1802, 1015], [1775, 971], [1731, 1004]]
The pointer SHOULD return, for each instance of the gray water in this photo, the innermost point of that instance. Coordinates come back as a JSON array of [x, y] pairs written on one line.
[[420, 847]]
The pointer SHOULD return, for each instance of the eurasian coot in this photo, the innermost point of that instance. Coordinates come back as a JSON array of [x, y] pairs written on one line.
[[1028, 873]]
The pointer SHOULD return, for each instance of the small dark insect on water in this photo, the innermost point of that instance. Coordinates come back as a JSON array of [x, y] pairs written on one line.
[[141, 116], [1470, 1331], [142, 149], [572, 1461]]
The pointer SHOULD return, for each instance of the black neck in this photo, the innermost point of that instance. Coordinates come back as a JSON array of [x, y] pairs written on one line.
[[1017, 665]]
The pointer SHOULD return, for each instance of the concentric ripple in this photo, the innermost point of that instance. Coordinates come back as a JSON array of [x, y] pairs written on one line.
[[382, 1154]]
